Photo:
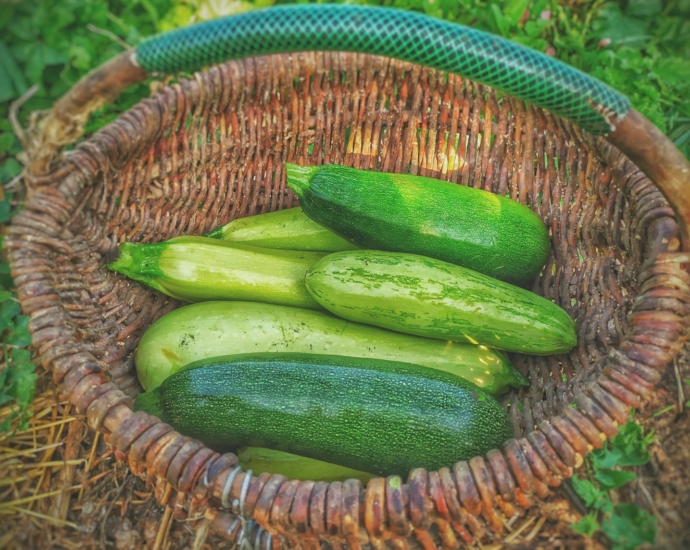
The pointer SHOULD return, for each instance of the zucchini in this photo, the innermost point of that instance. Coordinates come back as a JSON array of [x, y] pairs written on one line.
[[383, 417], [260, 460], [470, 227], [198, 268], [289, 229], [210, 329], [426, 297]]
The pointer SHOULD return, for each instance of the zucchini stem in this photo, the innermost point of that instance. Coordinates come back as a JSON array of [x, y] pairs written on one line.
[[123, 261], [217, 233], [139, 261], [299, 177], [149, 402]]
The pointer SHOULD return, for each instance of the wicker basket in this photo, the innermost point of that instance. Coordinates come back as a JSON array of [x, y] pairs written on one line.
[[211, 148]]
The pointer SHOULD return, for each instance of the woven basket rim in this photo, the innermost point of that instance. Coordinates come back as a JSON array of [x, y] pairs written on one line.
[[527, 466]]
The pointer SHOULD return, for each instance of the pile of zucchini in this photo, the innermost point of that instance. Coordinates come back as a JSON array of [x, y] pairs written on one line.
[[361, 334]]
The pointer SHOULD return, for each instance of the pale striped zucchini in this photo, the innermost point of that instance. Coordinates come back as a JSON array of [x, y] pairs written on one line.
[[426, 297], [199, 268]]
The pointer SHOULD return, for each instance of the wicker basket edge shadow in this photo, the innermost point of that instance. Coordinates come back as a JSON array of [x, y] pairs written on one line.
[[73, 220]]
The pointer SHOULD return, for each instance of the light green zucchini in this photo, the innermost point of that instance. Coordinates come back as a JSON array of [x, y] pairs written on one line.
[[260, 460], [289, 229], [198, 268], [211, 329]]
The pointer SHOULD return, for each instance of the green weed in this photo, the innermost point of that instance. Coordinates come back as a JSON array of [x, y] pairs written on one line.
[[626, 525], [17, 377]]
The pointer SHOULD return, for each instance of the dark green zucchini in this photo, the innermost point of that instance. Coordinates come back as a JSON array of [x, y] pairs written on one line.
[[470, 227], [378, 416]]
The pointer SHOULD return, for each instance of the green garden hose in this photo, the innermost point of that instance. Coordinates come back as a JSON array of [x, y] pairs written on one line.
[[489, 59]]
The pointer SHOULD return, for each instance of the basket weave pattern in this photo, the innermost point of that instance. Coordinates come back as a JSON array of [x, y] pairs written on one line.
[[212, 148]]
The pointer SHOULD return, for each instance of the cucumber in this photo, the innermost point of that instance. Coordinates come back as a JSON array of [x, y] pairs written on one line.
[[426, 297], [210, 329], [289, 229], [470, 227], [260, 460], [383, 417], [198, 268]]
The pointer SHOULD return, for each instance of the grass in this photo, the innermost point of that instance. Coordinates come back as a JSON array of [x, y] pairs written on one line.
[[640, 47]]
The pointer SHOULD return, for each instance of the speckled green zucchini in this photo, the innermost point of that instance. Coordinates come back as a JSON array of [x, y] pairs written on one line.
[[199, 268], [210, 329], [378, 416], [470, 227], [427, 297], [260, 460], [289, 229]]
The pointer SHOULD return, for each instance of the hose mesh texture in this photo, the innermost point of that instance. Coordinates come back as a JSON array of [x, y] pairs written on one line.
[[486, 58]]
